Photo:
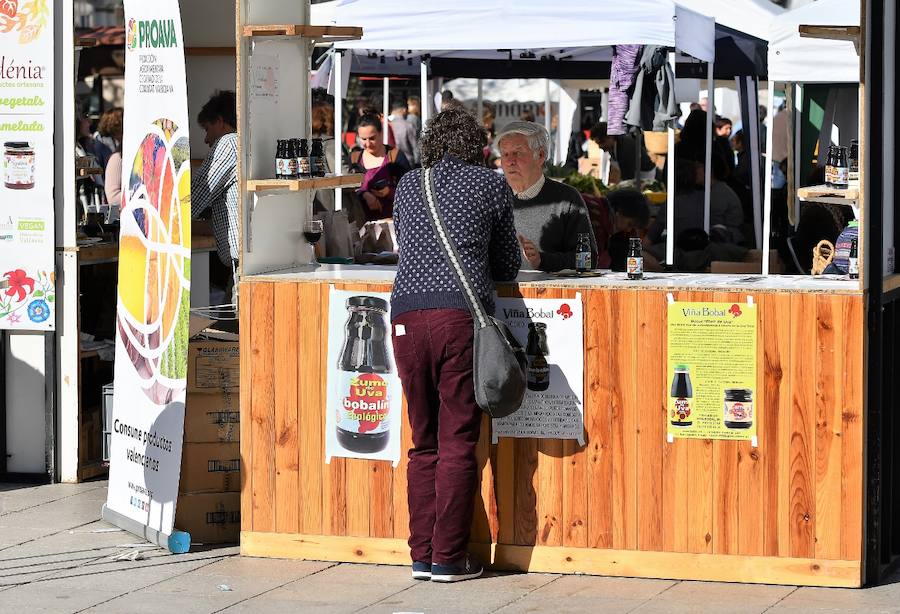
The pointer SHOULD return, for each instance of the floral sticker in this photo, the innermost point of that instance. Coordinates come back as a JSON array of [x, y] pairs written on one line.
[[25, 294], [28, 18], [38, 311]]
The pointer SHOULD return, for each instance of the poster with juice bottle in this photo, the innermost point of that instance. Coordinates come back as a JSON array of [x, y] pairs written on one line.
[[711, 387]]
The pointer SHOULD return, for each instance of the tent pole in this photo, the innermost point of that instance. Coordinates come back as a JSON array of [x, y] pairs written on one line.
[[547, 108], [798, 151], [385, 108], [425, 105], [670, 186], [710, 118], [338, 67], [480, 106], [767, 209]]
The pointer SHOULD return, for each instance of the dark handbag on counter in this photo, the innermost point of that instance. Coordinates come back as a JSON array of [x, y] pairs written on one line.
[[499, 360]]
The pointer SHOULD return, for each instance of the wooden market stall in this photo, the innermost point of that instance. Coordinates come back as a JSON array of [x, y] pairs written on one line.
[[627, 503]]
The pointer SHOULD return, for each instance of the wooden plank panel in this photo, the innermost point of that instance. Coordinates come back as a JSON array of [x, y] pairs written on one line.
[[699, 478], [481, 524], [400, 502], [725, 478], [359, 497], [752, 502], [381, 509], [575, 495], [312, 299], [598, 418], [802, 522], [262, 408], [650, 355], [828, 446], [775, 423], [246, 321], [852, 457], [506, 490], [623, 388], [287, 454], [525, 530]]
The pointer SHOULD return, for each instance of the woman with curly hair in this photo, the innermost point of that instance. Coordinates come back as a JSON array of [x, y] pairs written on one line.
[[433, 334], [112, 126]]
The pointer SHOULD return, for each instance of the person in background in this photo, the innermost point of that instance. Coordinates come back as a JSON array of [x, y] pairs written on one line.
[[382, 166], [214, 183], [622, 149], [631, 217], [111, 128], [433, 335], [723, 127], [549, 215], [338, 235], [404, 133], [414, 114]]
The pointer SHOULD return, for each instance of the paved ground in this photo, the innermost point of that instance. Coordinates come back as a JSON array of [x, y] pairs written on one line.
[[57, 556]]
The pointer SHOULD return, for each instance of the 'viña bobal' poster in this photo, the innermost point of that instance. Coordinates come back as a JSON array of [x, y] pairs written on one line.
[[154, 271]]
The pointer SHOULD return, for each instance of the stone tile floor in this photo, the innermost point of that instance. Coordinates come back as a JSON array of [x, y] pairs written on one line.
[[56, 555]]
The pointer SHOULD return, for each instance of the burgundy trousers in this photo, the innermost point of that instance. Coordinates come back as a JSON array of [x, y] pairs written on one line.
[[433, 350]]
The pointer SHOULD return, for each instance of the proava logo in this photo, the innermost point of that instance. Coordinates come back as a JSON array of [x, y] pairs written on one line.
[[151, 34]]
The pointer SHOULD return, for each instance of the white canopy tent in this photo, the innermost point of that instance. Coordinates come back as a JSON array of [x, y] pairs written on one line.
[[753, 17], [478, 29], [797, 59]]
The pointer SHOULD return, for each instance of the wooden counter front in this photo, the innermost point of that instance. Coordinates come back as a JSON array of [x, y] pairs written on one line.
[[627, 504]]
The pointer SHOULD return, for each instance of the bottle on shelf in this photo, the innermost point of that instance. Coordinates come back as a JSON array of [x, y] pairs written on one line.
[[854, 162], [303, 166], [280, 165], [317, 164], [837, 168], [292, 171]]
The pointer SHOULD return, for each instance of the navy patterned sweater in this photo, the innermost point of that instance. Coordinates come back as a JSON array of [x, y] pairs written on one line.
[[476, 205]]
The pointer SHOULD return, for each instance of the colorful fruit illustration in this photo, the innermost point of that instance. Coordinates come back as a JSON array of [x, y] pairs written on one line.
[[155, 262]]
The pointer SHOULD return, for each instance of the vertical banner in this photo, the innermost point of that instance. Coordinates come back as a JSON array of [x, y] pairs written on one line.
[[363, 413], [154, 271], [27, 240], [711, 383], [552, 333]]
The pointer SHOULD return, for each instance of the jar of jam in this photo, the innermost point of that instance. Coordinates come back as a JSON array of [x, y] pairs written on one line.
[[738, 408], [18, 164]]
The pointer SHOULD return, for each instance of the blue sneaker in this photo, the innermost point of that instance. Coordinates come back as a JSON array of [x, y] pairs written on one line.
[[466, 568], [421, 570]]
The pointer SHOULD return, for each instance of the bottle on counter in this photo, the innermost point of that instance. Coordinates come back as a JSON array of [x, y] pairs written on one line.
[[853, 263], [303, 165], [583, 253], [363, 420], [536, 352], [317, 164], [635, 260]]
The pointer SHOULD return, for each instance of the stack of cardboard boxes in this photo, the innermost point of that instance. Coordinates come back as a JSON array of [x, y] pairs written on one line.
[[209, 502]]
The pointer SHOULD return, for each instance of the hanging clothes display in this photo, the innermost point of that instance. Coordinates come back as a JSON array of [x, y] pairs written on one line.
[[622, 74], [653, 106]]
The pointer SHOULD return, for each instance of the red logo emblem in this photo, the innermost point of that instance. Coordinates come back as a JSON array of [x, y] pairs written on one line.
[[565, 311], [735, 310]]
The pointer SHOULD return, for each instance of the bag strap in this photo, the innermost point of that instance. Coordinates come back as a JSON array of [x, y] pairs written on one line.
[[450, 253]]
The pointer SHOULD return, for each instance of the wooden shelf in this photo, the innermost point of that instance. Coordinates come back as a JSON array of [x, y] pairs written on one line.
[[88, 171], [824, 194], [322, 33], [835, 33], [315, 183]]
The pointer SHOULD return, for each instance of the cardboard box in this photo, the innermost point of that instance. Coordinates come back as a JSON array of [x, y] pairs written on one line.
[[212, 418], [210, 518], [210, 467], [213, 366]]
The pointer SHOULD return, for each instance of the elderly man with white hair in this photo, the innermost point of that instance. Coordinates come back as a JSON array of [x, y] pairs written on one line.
[[549, 215]]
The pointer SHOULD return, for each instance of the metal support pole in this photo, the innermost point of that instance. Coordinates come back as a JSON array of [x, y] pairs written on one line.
[[426, 102], [670, 186], [338, 67], [548, 107], [710, 118], [480, 104], [385, 107], [767, 208]]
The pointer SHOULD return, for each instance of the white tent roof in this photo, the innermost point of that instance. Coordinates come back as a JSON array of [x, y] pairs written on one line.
[[478, 28], [811, 60], [753, 17]]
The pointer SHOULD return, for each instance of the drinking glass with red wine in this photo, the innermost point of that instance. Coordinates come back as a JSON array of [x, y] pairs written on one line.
[[312, 232]]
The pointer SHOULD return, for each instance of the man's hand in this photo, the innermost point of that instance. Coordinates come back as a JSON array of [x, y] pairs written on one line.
[[531, 252]]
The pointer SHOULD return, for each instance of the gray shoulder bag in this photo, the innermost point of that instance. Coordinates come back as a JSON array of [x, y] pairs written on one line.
[[499, 360]]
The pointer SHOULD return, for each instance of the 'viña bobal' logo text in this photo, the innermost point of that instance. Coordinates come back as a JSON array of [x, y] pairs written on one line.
[[151, 34]]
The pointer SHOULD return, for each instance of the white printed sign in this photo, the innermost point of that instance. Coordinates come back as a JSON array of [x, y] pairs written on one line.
[[552, 333], [363, 412], [154, 271], [27, 279]]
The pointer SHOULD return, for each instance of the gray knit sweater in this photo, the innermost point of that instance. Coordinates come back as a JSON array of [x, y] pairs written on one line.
[[552, 220], [476, 205]]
